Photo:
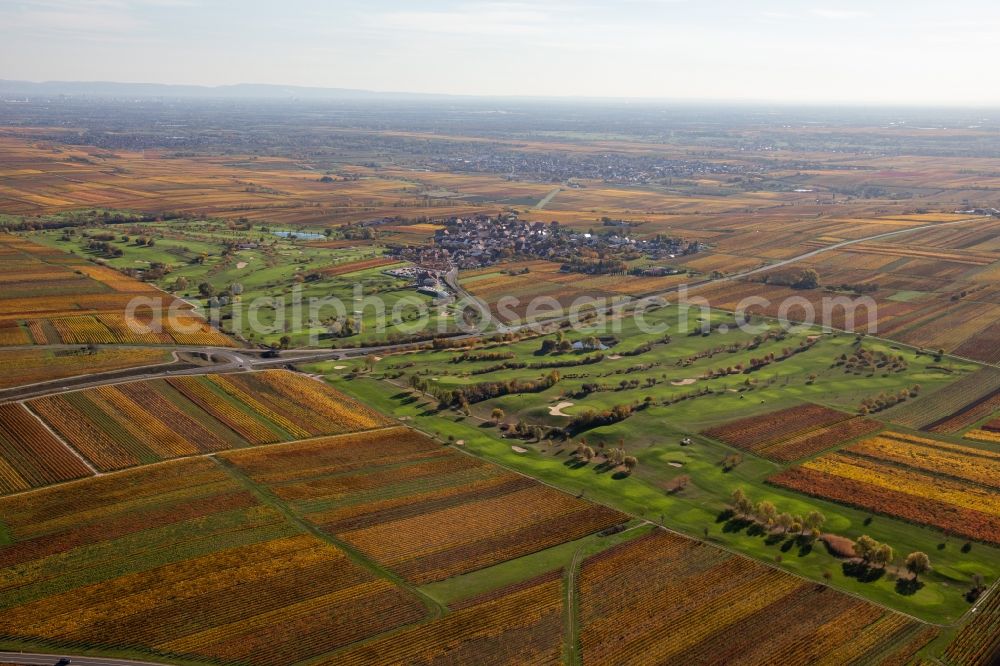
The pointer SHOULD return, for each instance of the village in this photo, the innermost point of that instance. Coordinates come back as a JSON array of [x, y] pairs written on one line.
[[478, 241]]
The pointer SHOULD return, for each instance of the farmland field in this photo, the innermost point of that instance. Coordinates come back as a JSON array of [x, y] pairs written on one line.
[[50, 297], [950, 487], [157, 560], [141, 422], [30, 456], [793, 433], [425, 512], [30, 366], [955, 406], [667, 599], [978, 642], [686, 477], [513, 627]]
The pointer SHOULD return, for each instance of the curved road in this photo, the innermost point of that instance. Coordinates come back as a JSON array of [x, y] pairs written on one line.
[[34, 659], [237, 360]]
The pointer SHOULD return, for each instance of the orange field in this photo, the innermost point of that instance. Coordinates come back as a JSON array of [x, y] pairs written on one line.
[[793, 433], [161, 559], [135, 423], [31, 366], [29, 454], [424, 511], [664, 598], [522, 625], [920, 480]]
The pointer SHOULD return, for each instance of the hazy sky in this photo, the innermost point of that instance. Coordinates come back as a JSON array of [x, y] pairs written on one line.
[[886, 51]]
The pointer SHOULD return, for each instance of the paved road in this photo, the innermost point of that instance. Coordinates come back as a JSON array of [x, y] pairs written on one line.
[[221, 360], [50, 660], [230, 359]]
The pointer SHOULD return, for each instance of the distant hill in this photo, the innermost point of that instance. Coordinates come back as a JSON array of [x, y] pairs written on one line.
[[237, 91]]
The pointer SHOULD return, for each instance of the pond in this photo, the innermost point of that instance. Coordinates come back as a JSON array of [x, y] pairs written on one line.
[[304, 235]]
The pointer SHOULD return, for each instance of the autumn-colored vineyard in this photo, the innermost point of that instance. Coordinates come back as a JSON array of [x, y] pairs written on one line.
[[984, 434], [49, 297], [30, 366], [793, 433], [978, 642], [663, 598], [30, 456], [130, 424], [957, 405], [923, 481], [161, 559], [425, 511], [520, 625], [963, 462], [355, 266]]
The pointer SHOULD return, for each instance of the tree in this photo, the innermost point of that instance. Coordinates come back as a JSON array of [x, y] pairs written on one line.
[[497, 415], [808, 279], [741, 502], [814, 520], [865, 548], [284, 342], [918, 563], [630, 462], [883, 555], [766, 511], [785, 521], [206, 290]]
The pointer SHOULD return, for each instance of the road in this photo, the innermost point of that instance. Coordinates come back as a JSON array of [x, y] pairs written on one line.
[[33, 659], [220, 360], [229, 359], [237, 360]]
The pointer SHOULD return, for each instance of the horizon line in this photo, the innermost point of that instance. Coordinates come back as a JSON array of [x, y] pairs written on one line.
[[376, 93]]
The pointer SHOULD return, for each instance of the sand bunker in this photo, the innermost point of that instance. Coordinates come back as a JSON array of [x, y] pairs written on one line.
[[518, 449], [339, 367], [557, 410], [241, 265], [675, 464], [683, 382]]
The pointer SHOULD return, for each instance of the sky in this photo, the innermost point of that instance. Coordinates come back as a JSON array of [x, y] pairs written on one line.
[[867, 52]]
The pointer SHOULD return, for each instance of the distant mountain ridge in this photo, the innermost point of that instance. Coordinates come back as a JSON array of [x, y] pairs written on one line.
[[238, 91]]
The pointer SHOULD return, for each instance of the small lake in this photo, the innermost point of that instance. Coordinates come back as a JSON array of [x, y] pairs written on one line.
[[304, 235]]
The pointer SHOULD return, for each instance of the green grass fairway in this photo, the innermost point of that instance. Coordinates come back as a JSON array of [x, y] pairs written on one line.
[[278, 280], [654, 435]]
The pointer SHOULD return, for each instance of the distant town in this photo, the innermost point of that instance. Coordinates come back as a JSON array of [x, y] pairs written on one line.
[[482, 240]]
